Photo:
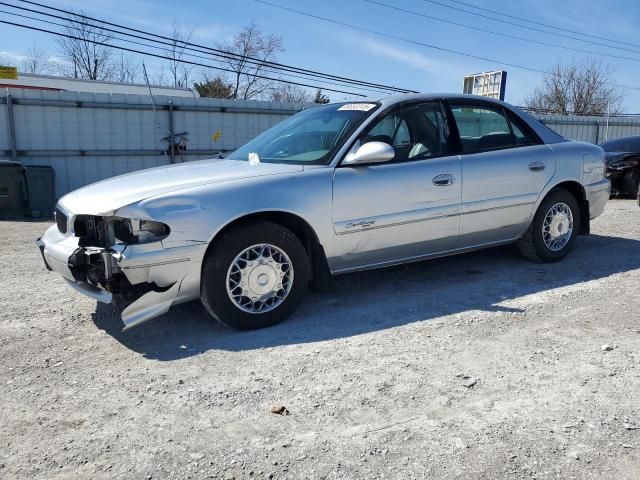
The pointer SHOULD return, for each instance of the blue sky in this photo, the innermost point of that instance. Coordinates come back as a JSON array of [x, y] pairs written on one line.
[[339, 50]]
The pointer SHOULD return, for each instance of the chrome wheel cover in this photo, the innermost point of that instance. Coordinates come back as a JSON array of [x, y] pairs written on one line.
[[557, 227], [259, 278]]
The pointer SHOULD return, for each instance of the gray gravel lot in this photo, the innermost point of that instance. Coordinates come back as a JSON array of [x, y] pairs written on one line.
[[477, 366]]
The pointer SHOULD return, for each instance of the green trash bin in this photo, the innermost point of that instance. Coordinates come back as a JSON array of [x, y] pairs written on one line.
[[40, 190], [12, 189]]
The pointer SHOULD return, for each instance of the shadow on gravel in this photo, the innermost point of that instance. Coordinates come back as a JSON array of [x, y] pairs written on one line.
[[382, 299]]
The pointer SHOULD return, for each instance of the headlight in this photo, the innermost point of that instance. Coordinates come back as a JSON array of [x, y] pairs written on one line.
[[131, 230]]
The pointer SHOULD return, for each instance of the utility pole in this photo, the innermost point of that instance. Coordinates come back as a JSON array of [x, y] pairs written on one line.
[[606, 130]]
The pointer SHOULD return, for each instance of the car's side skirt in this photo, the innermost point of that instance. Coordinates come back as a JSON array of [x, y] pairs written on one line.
[[419, 258]]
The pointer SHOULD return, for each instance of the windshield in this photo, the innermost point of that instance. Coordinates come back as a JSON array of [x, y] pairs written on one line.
[[309, 137]]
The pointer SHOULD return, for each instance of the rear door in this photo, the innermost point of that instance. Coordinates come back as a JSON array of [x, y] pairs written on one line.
[[505, 167]]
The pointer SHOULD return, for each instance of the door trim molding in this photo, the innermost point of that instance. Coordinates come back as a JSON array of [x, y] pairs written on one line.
[[513, 205], [396, 219]]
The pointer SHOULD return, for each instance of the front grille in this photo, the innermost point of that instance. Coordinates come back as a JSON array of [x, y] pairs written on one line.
[[61, 221]]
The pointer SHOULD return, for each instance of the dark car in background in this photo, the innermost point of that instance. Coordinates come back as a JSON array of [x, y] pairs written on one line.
[[623, 165]]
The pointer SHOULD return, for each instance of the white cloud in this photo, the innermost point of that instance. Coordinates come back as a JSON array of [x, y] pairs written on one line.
[[17, 58], [11, 58], [214, 33], [402, 55]]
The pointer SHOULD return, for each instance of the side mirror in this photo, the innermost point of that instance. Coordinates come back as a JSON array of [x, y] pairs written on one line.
[[372, 152]]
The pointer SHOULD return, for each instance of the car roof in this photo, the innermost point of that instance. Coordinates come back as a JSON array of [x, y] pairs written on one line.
[[404, 97]]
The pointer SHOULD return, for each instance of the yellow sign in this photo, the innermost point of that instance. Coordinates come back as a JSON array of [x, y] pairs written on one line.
[[216, 136], [8, 73]]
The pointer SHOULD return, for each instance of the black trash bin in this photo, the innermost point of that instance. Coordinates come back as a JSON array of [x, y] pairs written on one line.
[[12, 189], [40, 190]]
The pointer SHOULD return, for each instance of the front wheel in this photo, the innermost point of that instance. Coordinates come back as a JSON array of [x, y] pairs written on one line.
[[554, 229], [255, 276]]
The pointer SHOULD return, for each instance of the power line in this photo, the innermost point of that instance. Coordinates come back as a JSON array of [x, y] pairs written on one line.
[[113, 37], [214, 51], [415, 42], [515, 37], [519, 25], [118, 47], [189, 45], [173, 42], [396, 37], [543, 24]]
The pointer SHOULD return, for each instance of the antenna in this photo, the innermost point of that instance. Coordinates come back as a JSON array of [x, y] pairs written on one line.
[[153, 105]]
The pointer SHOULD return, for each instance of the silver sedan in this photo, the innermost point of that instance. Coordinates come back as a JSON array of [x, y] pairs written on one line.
[[334, 189]]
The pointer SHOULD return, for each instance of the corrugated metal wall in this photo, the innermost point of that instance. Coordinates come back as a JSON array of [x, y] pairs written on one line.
[[87, 137], [592, 129]]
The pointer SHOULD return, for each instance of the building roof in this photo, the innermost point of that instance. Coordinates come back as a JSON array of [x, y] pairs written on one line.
[[50, 82]]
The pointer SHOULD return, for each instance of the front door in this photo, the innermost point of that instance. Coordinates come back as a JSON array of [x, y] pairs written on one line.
[[505, 167], [406, 208]]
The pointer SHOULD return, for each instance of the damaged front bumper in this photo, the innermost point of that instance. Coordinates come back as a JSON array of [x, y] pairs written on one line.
[[147, 278]]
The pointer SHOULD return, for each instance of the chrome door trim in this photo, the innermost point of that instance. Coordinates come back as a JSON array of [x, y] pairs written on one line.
[[400, 261], [396, 219], [513, 205]]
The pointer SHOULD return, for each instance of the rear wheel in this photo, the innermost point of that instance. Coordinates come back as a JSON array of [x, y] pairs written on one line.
[[554, 229], [255, 276]]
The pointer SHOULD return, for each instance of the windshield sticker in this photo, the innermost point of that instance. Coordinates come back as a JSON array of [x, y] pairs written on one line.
[[361, 107]]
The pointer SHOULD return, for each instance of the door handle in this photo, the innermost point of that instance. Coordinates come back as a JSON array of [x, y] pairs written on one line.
[[537, 166], [444, 180]]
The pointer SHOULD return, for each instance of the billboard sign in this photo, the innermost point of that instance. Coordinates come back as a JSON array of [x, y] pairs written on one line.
[[486, 84]]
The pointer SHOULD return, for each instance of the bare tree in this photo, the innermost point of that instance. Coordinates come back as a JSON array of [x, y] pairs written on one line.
[[159, 77], [251, 42], [125, 70], [87, 54], [36, 62], [286, 92], [580, 89], [179, 72]]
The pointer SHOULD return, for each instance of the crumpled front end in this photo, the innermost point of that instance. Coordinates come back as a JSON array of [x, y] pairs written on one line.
[[125, 261]]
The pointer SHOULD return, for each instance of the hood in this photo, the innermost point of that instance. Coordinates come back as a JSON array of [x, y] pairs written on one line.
[[103, 198]]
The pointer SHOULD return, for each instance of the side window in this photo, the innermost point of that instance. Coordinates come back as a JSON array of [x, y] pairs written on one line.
[[482, 128], [415, 132], [521, 134], [402, 138], [392, 129]]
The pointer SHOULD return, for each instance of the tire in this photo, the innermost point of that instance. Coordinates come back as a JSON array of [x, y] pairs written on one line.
[[532, 244], [629, 184], [254, 256]]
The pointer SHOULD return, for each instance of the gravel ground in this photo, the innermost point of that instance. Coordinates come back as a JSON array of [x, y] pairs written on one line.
[[477, 366]]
